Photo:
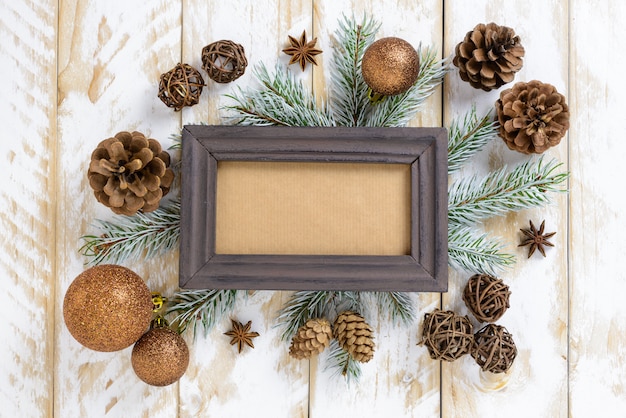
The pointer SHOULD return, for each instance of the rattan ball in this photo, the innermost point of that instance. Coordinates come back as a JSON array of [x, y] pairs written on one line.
[[447, 335], [181, 86], [494, 349], [224, 61], [486, 297]]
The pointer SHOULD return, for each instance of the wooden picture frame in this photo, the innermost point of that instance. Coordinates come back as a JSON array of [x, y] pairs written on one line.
[[424, 149]]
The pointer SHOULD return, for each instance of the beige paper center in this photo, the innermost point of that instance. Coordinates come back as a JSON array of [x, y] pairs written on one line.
[[313, 208]]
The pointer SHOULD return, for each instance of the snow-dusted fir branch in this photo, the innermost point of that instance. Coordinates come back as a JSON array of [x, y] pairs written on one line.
[[306, 304], [471, 199], [474, 252], [281, 100], [131, 238], [341, 362], [349, 100], [467, 136], [399, 109], [398, 304], [204, 307]]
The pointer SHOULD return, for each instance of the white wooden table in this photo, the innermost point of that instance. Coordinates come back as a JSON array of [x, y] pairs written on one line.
[[74, 72]]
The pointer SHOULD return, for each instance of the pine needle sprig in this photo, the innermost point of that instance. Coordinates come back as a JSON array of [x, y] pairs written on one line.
[[342, 363], [398, 304], [399, 109], [306, 304], [467, 136], [131, 238], [349, 100], [281, 100], [200, 306], [476, 253], [471, 200]]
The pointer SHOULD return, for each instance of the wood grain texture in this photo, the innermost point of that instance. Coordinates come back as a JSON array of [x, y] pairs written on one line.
[[109, 55], [401, 380], [27, 206], [597, 221], [264, 381], [537, 317]]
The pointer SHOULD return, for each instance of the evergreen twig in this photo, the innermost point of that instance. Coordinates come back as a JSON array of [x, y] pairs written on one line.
[[349, 100], [130, 238], [467, 136], [476, 253], [471, 200], [281, 100], [200, 306], [342, 363], [398, 304]]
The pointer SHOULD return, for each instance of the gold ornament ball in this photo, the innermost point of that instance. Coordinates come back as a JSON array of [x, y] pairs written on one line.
[[390, 66], [107, 308], [160, 357]]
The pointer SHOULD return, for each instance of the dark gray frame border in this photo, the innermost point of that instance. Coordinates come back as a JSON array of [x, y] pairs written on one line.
[[424, 270]]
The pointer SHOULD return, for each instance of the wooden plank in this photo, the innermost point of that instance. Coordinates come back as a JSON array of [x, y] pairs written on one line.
[[110, 56], [597, 221], [264, 381], [401, 380], [537, 383], [27, 208]]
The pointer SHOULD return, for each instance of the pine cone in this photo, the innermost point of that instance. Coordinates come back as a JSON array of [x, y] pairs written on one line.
[[311, 338], [533, 117], [489, 56], [354, 336], [129, 172]]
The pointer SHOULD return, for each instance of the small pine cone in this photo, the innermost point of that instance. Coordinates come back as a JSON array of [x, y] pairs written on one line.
[[533, 117], [354, 335], [489, 56], [311, 338], [129, 172]]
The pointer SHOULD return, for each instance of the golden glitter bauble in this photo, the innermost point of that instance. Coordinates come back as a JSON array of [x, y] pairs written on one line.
[[160, 357], [390, 66], [107, 308]]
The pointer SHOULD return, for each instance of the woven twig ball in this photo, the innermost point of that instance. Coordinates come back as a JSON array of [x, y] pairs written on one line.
[[224, 61], [181, 86], [494, 349], [447, 335], [487, 297]]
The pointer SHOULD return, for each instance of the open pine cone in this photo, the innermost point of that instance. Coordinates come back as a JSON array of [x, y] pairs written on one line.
[[129, 172], [354, 335], [311, 338], [533, 117], [489, 56]]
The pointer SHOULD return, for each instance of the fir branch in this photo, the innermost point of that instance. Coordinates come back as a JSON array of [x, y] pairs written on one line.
[[203, 306], [398, 304], [281, 100], [341, 362], [131, 238], [349, 99], [476, 253], [467, 136], [306, 304], [399, 109], [471, 200]]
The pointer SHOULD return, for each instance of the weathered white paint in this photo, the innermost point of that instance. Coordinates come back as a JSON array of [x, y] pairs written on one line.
[[106, 57]]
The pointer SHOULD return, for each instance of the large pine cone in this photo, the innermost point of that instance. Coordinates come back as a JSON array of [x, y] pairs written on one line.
[[533, 117], [129, 172], [489, 56], [311, 338], [354, 335]]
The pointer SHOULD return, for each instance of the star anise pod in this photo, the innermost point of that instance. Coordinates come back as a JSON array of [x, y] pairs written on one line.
[[302, 51], [536, 239], [240, 334]]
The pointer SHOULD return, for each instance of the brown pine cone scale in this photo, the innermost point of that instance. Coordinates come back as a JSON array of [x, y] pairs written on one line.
[[311, 338], [354, 335]]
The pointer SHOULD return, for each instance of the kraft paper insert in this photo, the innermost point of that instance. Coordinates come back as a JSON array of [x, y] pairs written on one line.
[[313, 208]]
